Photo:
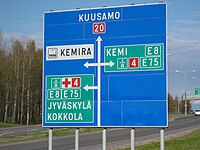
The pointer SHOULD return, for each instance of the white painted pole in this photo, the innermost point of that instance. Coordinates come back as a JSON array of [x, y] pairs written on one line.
[[99, 82], [162, 139], [76, 138], [50, 138], [104, 139], [133, 139]]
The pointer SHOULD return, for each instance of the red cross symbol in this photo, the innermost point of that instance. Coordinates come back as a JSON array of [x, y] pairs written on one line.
[[66, 83], [71, 82]]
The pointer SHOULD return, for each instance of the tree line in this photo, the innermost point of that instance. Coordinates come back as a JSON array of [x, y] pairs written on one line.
[[20, 81], [177, 106]]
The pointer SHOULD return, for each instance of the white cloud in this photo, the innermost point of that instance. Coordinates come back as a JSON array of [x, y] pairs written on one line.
[[38, 38], [188, 22], [22, 26], [24, 38], [198, 13], [184, 50], [184, 55], [196, 102], [185, 29]]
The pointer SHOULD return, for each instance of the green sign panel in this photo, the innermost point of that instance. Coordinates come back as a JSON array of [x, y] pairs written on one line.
[[67, 100], [144, 57], [197, 91]]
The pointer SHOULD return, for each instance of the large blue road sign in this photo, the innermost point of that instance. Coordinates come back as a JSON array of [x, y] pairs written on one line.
[[105, 67]]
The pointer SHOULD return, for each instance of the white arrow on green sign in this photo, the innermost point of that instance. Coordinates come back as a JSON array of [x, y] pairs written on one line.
[[143, 57], [68, 101]]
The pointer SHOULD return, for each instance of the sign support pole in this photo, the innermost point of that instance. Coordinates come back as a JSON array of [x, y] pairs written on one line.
[[162, 139], [50, 138], [104, 139], [133, 139], [99, 82], [76, 138]]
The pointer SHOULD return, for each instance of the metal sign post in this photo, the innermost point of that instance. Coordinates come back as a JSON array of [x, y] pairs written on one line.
[[50, 138], [77, 139], [104, 139], [106, 67], [95, 58], [133, 139], [162, 139]]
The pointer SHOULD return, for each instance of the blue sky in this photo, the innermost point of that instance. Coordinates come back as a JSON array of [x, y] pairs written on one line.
[[25, 17]]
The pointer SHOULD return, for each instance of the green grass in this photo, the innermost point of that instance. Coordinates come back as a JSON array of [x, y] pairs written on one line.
[[40, 135], [70, 131], [44, 135], [170, 117], [174, 144], [8, 125], [187, 142], [23, 137]]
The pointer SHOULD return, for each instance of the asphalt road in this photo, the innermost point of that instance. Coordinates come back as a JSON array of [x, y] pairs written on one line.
[[115, 137], [21, 130]]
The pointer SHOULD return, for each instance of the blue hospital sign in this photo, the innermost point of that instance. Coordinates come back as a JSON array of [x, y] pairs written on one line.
[[106, 67]]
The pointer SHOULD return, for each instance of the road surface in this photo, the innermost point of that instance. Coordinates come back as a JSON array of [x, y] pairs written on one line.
[[115, 137], [21, 130]]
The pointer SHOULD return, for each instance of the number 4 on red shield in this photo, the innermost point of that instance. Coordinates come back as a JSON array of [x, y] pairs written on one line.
[[134, 62], [76, 82], [71, 82]]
